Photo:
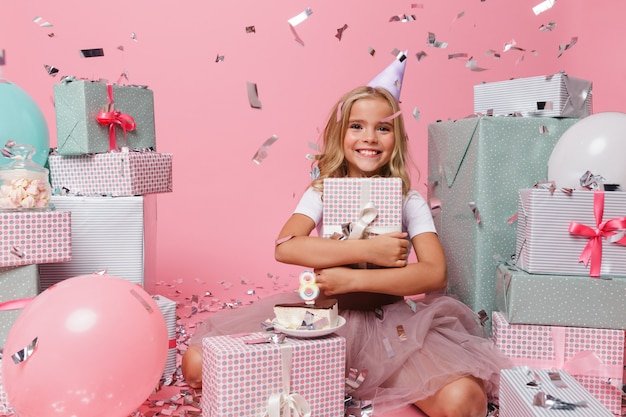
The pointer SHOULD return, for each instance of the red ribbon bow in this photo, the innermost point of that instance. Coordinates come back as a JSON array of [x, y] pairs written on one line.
[[112, 117], [593, 250]]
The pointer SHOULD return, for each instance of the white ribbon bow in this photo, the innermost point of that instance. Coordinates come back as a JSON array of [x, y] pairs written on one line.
[[284, 404]]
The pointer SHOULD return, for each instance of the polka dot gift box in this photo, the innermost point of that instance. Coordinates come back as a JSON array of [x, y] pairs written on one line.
[[96, 117], [476, 167], [376, 203], [113, 174], [594, 357], [241, 379], [35, 237]]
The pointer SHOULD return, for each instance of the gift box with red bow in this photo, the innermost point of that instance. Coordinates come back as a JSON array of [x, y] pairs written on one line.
[[594, 357], [572, 233], [96, 117], [249, 375]]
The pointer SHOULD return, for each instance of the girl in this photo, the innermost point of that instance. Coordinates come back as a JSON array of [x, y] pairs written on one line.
[[443, 366]]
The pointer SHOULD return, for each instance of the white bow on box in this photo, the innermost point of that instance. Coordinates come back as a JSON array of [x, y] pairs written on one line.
[[286, 404]]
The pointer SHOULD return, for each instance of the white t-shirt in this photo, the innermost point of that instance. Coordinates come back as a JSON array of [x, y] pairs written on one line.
[[416, 216]]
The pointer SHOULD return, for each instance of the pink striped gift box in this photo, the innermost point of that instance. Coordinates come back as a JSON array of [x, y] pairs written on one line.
[[594, 357], [545, 244]]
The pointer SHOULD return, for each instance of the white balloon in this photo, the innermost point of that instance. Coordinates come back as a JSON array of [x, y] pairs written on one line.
[[597, 144]]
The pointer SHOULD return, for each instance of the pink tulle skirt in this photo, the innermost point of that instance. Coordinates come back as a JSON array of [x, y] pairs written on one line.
[[440, 340]]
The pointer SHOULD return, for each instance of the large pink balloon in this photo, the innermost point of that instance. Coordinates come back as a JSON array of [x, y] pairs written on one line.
[[597, 144], [101, 350]]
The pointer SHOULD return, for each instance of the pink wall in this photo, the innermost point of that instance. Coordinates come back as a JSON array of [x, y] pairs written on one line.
[[218, 226]]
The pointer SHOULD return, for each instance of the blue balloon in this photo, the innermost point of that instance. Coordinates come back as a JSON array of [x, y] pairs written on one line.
[[21, 120]]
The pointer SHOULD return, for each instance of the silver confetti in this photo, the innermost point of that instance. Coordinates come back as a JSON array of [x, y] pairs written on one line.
[[253, 96], [25, 353], [474, 208], [261, 153], [543, 6]]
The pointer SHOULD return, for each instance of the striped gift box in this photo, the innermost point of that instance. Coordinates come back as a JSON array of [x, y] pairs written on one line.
[[345, 198], [35, 237], [544, 244], [594, 357], [112, 234], [555, 95], [168, 309], [516, 396], [113, 173]]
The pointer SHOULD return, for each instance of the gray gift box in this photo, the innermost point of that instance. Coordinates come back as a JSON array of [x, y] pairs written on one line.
[[77, 105], [476, 167], [560, 300], [16, 282], [556, 95]]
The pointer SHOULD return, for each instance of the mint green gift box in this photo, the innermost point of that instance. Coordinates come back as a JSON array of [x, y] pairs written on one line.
[[77, 104], [16, 282], [481, 163], [560, 300]]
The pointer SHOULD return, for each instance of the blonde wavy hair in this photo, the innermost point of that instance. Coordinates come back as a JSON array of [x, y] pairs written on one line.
[[331, 161]]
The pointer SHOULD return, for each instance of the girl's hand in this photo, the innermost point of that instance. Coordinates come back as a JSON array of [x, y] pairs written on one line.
[[336, 280], [389, 250]]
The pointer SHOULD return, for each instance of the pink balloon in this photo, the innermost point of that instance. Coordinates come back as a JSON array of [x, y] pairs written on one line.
[[101, 349]]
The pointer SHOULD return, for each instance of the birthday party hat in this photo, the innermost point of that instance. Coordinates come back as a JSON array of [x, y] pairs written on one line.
[[391, 77]]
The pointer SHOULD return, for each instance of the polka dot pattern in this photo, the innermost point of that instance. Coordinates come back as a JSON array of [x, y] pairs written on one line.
[[238, 378], [344, 198], [15, 282], [113, 174], [35, 237], [560, 300], [484, 160], [77, 105], [539, 347]]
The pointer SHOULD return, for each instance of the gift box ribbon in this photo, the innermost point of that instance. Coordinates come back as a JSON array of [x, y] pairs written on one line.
[[363, 224], [285, 404], [592, 252], [18, 304], [111, 117], [584, 362]]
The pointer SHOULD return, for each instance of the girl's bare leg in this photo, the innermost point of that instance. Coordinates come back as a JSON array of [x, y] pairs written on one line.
[[191, 367], [464, 397]]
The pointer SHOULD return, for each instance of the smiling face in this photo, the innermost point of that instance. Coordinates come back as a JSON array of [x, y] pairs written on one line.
[[369, 140]]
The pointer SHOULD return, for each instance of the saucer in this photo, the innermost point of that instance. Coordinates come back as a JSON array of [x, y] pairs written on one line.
[[309, 333]]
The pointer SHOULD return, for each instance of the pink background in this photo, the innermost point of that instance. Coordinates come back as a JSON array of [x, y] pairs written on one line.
[[216, 230]]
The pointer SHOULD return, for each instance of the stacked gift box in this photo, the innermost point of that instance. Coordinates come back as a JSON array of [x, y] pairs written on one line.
[[106, 171], [561, 304], [478, 164], [29, 239], [509, 246]]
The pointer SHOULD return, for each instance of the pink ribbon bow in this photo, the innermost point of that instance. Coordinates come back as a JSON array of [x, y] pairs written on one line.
[[593, 250], [112, 117]]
